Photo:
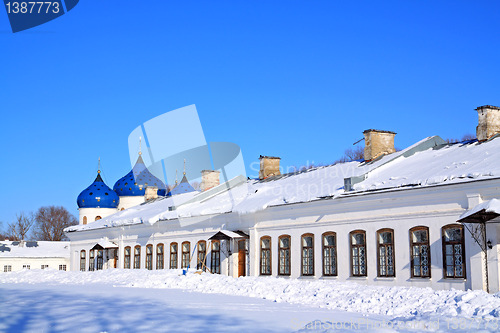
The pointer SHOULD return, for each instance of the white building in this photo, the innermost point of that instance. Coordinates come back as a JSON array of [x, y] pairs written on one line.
[[390, 219], [15, 256]]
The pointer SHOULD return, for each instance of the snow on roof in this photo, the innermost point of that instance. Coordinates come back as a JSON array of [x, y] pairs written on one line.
[[490, 206], [34, 249], [428, 162]]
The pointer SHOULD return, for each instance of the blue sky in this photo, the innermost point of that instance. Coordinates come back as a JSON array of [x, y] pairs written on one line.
[[295, 79]]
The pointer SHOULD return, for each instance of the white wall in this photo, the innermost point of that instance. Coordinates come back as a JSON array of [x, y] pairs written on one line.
[[35, 263]]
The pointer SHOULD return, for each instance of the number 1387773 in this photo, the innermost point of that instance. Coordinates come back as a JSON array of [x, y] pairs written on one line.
[[36, 7]]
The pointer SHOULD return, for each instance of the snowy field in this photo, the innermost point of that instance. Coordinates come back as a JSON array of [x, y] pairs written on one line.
[[166, 301]]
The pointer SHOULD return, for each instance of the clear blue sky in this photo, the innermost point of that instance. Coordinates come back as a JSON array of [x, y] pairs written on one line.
[[295, 79]]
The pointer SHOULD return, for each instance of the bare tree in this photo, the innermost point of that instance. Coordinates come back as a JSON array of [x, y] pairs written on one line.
[[352, 154], [19, 229], [50, 223], [465, 137]]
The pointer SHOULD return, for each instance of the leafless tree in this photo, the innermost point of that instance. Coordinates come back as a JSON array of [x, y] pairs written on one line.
[[352, 154], [50, 223], [19, 229], [465, 137]]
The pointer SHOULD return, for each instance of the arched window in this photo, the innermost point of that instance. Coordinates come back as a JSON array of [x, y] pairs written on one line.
[[453, 251], [284, 255], [329, 254], [186, 257], [420, 252], [358, 252], [159, 256], [215, 257], [202, 254], [97, 218], [137, 257], [85, 220], [265, 255], [99, 259], [385, 253], [173, 256], [83, 260], [126, 260], [149, 257], [91, 260], [307, 254]]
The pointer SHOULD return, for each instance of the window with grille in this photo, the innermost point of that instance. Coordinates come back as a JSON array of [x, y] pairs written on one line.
[[265, 255], [149, 257], [83, 260], [453, 251], [215, 257], [358, 253], [159, 256], [62, 267], [202, 254], [137, 257], [307, 254], [420, 252], [284, 255], [186, 257], [385, 243], [173, 256], [126, 257], [329, 254], [91, 260]]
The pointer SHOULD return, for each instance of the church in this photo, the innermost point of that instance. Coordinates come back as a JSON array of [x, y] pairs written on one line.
[[424, 216]]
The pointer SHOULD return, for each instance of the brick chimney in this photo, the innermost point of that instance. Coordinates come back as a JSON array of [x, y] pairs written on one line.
[[151, 193], [378, 143], [488, 122], [269, 166], [209, 179]]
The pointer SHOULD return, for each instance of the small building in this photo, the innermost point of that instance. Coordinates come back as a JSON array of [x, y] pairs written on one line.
[[18, 255]]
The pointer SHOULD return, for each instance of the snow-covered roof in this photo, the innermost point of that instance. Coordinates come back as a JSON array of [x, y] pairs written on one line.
[[489, 209], [428, 162], [34, 249]]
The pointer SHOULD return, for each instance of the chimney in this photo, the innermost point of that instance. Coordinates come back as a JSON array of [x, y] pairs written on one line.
[[209, 179], [269, 166], [151, 193], [488, 122], [378, 143]]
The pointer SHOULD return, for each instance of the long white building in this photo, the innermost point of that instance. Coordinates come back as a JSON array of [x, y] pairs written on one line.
[[18, 255], [423, 216]]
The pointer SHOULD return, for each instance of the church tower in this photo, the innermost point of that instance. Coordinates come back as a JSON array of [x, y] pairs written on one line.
[[96, 201]]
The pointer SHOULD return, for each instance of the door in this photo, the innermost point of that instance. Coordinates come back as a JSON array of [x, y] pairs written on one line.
[[241, 258]]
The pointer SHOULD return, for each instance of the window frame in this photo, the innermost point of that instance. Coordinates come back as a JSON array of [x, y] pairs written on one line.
[[302, 247], [201, 261], [412, 256], [174, 256], [160, 256], [149, 257], [282, 267], [386, 246], [92, 260], [127, 257], [137, 257], [351, 247], [335, 257], [462, 243], [215, 258], [185, 255], [262, 258], [83, 260]]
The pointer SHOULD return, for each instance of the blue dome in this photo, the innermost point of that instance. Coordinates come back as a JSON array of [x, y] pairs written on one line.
[[98, 195], [183, 187], [135, 182]]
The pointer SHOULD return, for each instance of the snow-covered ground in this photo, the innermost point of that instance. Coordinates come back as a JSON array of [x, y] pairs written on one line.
[[166, 301]]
